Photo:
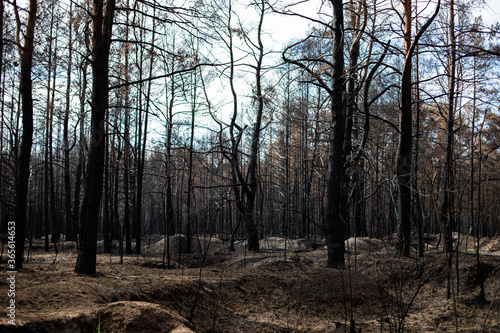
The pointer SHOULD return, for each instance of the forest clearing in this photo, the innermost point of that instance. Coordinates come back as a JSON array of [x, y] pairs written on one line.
[[260, 291]]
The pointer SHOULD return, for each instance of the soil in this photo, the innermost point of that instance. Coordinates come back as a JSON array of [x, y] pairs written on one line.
[[275, 290]]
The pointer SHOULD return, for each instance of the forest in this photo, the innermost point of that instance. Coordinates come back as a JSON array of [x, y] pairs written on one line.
[[327, 144]]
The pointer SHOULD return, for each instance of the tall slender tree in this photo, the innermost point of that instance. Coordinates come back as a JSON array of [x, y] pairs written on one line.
[[70, 230], [102, 23], [334, 224], [445, 212], [23, 171], [404, 153]]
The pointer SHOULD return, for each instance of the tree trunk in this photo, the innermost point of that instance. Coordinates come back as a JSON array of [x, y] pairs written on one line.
[[245, 187], [126, 160], [2, 109], [247, 211], [168, 205], [56, 231], [105, 208], [70, 231], [189, 213], [334, 224], [48, 134], [416, 208], [89, 216], [403, 158], [445, 211], [23, 171]]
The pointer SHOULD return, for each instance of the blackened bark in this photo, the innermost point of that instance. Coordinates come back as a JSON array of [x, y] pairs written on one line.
[[403, 158], [81, 154], [126, 171], [48, 109], [101, 40], [70, 231], [189, 207], [23, 171], [2, 83], [105, 210], [1, 42], [445, 211], [334, 224], [168, 205], [352, 94]]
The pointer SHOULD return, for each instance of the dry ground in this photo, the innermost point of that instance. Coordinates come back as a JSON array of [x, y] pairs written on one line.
[[270, 291]]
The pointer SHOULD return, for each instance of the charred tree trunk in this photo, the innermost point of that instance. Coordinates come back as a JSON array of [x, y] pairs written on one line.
[[2, 109], [189, 213], [334, 225], [445, 211], [403, 158], [23, 160], [105, 208], [56, 230], [70, 231], [81, 154], [168, 205], [89, 216], [416, 207], [126, 158], [48, 134]]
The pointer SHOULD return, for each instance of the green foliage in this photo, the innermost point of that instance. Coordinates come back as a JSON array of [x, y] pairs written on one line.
[[96, 326]]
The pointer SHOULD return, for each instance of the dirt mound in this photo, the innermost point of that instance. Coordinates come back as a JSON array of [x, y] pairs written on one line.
[[280, 244], [466, 243], [130, 317], [490, 246], [178, 243], [361, 245]]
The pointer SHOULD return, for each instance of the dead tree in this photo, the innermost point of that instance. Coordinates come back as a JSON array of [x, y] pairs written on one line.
[[403, 158], [23, 171], [102, 23]]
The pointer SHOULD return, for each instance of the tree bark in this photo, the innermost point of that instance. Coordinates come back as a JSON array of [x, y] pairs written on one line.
[[403, 158], [126, 161], [2, 109], [445, 211], [334, 224], [105, 208], [23, 171], [70, 231], [48, 109], [89, 216]]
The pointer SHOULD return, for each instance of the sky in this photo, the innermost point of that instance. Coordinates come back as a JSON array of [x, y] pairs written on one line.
[[490, 12]]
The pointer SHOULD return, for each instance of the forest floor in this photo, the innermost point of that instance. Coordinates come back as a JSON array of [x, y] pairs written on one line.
[[270, 291]]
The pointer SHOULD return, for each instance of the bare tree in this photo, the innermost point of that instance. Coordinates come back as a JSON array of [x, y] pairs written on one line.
[[102, 23], [23, 172], [333, 226], [245, 184], [403, 159], [445, 211], [70, 229]]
